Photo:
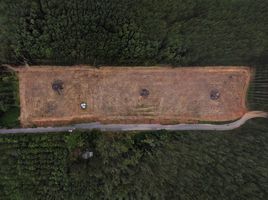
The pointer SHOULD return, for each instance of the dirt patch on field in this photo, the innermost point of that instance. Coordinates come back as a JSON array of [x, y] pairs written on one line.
[[54, 95]]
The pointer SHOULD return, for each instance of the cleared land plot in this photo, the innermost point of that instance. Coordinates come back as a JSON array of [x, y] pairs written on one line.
[[132, 94]]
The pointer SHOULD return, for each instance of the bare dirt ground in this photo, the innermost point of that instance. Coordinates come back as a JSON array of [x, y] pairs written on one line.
[[132, 94]]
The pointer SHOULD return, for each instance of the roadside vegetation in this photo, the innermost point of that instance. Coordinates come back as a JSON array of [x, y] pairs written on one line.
[[9, 99], [136, 165]]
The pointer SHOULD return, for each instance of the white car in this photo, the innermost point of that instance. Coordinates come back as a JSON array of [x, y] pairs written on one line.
[[71, 130]]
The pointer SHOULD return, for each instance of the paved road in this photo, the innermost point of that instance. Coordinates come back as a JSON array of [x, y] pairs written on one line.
[[139, 127]]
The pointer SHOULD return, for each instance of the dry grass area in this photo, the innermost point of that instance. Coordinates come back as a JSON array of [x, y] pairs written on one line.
[[113, 94]]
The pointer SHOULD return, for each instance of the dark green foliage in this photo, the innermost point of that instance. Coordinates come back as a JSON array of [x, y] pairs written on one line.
[[10, 119], [177, 32], [32, 167], [145, 165], [9, 101]]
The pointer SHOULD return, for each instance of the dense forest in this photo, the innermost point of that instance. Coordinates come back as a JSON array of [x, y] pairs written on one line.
[[135, 165], [139, 32], [144, 165]]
